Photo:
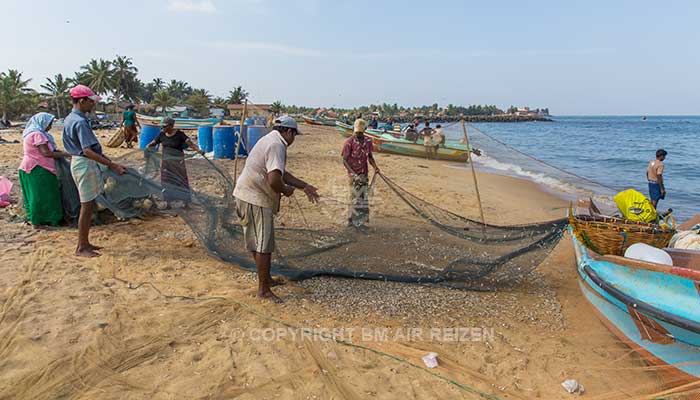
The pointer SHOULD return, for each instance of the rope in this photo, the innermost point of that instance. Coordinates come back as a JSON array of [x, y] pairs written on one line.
[[253, 311]]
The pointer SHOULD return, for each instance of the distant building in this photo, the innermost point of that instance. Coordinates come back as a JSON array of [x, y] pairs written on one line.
[[217, 112], [236, 110], [527, 112]]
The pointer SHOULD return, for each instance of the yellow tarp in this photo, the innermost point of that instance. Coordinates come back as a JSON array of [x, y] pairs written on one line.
[[635, 206]]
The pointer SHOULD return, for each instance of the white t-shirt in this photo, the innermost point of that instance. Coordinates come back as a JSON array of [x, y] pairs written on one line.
[[269, 154]]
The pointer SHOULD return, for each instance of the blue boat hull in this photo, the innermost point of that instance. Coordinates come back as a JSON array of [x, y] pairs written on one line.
[[654, 312]]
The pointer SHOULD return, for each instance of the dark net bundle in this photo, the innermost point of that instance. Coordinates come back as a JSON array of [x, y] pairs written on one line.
[[407, 239]]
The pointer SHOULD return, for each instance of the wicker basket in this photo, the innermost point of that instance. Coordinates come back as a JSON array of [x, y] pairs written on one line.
[[610, 235]]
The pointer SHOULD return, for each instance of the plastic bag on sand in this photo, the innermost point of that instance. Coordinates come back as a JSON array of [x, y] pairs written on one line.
[[5, 188], [572, 386], [644, 252], [687, 240], [430, 360]]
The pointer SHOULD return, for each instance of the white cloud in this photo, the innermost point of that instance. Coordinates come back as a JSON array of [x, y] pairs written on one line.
[[189, 6]]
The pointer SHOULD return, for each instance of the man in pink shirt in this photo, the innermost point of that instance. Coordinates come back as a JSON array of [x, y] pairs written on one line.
[[357, 152]]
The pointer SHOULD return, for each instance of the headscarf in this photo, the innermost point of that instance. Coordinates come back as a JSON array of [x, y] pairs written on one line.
[[38, 123]]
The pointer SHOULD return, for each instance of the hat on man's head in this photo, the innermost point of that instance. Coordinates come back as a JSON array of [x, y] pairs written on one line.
[[286, 121], [359, 126], [167, 121], [80, 91]]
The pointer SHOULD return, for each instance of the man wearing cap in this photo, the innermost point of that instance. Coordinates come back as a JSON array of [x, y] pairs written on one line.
[[81, 143], [258, 191], [357, 152]]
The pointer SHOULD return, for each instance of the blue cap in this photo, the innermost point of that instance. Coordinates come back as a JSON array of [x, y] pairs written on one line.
[[287, 122]]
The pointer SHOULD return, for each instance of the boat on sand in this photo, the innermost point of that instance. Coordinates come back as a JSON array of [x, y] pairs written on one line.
[[651, 307], [387, 143]]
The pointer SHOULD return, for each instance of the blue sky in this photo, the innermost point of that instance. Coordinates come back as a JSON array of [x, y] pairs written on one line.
[[592, 57]]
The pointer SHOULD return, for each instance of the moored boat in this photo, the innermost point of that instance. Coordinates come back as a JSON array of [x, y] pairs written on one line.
[[318, 121], [180, 123], [653, 308], [387, 143]]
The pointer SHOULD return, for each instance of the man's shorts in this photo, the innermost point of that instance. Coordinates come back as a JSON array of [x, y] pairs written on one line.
[[654, 191], [86, 175], [258, 227]]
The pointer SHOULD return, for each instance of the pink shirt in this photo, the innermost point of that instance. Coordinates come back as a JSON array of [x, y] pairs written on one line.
[[357, 153], [32, 155]]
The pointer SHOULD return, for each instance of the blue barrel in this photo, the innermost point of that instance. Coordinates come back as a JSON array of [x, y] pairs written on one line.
[[205, 138], [255, 132], [224, 142], [148, 133], [243, 150]]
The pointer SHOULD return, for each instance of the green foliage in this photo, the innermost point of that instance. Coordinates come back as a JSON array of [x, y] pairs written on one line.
[[98, 75], [200, 103], [125, 82], [15, 98], [163, 100], [180, 90], [276, 108], [57, 91], [237, 95]]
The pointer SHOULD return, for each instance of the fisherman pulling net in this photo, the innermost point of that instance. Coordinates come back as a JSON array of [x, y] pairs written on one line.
[[408, 239]]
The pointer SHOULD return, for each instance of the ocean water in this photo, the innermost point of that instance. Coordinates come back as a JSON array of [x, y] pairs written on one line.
[[596, 155]]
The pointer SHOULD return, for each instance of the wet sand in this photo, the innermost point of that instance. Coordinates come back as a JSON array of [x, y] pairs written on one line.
[[157, 317]]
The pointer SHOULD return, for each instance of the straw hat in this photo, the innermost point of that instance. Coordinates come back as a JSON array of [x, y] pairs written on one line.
[[360, 125]]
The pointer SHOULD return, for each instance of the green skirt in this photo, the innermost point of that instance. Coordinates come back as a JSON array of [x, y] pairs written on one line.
[[42, 196]]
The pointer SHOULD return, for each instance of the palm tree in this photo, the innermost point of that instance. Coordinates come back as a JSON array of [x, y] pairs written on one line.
[[98, 75], [201, 92], [164, 100], [200, 103], [57, 88], [158, 84], [124, 75], [237, 95], [179, 89], [13, 98], [276, 108]]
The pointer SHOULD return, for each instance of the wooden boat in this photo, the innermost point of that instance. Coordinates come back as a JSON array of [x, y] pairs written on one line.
[[651, 307], [318, 121], [387, 143], [180, 123]]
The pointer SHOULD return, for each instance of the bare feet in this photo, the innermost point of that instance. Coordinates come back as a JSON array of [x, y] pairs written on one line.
[[93, 247], [89, 253], [268, 295]]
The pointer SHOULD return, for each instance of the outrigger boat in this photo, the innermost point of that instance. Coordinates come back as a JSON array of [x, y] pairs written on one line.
[[651, 307], [318, 121], [387, 143], [180, 123]]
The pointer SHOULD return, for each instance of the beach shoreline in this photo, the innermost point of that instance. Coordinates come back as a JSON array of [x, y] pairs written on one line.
[[115, 326]]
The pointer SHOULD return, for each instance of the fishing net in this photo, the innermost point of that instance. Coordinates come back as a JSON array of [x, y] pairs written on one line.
[[408, 239], [500, 157]]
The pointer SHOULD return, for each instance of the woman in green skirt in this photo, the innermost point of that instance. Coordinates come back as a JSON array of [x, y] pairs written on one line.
[[37, 172]]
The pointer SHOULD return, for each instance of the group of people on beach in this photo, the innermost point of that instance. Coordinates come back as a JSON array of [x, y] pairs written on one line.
[[257, 193], [262, 183], [38, 172]]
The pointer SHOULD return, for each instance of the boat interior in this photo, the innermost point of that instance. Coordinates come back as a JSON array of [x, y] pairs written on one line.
[[687, 259]]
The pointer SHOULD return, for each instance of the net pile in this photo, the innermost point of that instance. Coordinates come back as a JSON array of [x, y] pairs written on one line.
[[408, 239]]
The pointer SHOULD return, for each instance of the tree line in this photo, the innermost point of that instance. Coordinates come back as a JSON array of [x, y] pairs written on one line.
[[117, 78]]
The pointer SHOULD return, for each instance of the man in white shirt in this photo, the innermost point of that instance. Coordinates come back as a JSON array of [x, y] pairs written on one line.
[[258, 191]]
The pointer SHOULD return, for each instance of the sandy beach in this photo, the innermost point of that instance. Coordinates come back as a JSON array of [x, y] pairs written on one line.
[[157, 317]]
